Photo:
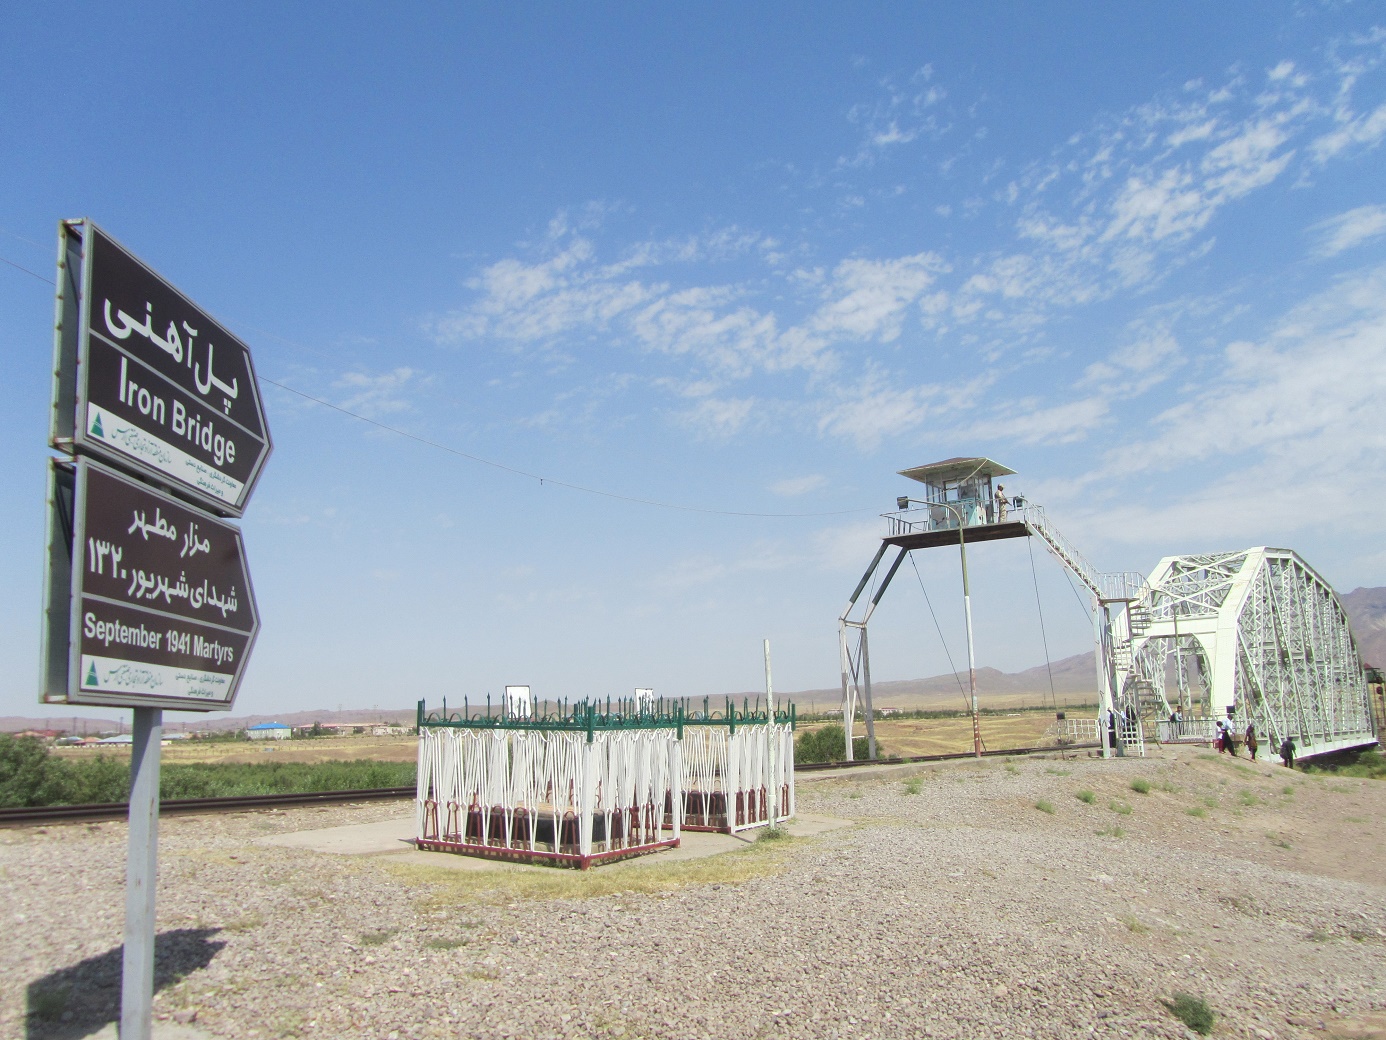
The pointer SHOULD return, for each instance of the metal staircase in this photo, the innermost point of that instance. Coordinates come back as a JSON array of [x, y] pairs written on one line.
[[1108, 587], [1122, 590]]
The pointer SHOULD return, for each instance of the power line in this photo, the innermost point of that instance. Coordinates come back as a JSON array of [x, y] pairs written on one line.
[[1053, 699], [31, 274], [655, 503], [957, 678]]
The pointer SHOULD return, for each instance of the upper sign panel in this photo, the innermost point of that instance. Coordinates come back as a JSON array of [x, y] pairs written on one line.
[[159, 386]]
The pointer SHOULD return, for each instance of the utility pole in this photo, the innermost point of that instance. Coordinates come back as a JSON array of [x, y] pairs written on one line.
[[771, 741]]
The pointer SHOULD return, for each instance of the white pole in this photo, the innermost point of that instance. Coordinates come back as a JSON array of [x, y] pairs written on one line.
[[141, 876], [771, 739], [971, 650]]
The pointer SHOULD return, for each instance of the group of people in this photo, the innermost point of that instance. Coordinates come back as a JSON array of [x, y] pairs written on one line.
[[1225, 738]]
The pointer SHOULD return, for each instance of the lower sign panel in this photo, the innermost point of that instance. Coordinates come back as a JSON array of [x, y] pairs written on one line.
[[128, 651], [159, 611]]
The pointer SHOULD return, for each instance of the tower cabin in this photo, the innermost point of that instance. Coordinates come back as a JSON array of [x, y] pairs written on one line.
[[963, 498]]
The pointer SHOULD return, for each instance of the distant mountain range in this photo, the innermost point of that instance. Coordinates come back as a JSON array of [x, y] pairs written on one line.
[[1073, 679], [1366, 609]]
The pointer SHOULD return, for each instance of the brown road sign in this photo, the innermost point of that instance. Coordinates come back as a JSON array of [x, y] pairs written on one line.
[[147, 380], [157, 608]]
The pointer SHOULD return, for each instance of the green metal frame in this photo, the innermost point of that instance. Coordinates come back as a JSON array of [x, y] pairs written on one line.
[[590, 717]]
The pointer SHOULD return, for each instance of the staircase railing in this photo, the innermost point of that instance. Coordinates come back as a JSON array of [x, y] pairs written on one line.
[[1105, 585]]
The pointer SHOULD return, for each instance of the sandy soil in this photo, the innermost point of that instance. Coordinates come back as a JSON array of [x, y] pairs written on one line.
[[968, 900]]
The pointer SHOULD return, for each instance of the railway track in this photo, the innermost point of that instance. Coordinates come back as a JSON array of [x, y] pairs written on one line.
[[184, 806], [248, 803]]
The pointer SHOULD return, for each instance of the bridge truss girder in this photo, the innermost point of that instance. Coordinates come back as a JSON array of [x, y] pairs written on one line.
[[1271, 639]]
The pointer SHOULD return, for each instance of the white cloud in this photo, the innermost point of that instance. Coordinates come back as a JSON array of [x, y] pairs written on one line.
[[719, 418], [869, 298], [1366, 130], [376, 395], [708, 324], [1349, 229], [1303, 403], [1134, 368], [1112, 211], [1027, 423], [793, 486], [528, 303], [848, 546], [874, 409]]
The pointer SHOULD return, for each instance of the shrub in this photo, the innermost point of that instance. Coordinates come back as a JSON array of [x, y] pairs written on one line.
[[1193, 1011], [1369, 765], [1086, 797], [30, 775], [1120, 808], [1044, 805], [1140, 786], [914, 785], [828, 744]]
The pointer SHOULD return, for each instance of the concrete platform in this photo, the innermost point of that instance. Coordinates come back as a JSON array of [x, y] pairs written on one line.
[[357, 839], [394, 838]]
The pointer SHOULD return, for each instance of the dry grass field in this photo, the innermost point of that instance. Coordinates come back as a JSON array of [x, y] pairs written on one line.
[[907, 738], [321, 749], [902, 737]]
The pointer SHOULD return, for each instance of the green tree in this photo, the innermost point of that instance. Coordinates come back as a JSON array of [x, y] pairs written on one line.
[[29, 775]]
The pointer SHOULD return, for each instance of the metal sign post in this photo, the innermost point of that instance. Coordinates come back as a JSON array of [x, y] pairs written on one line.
[[141, 877], [147, 600]]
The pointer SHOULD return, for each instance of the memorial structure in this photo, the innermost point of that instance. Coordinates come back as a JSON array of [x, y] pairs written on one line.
[[588, 783]]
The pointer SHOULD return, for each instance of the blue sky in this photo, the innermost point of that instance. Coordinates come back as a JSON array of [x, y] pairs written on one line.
[[742, 261]]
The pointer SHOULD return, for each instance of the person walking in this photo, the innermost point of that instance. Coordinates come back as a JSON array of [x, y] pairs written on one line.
[[1251, 744], [1287, 752]]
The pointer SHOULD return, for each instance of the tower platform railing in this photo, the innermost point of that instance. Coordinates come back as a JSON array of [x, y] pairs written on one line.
[[1108, 586]]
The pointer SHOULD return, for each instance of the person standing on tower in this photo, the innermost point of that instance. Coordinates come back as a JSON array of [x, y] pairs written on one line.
[[1000, 503]]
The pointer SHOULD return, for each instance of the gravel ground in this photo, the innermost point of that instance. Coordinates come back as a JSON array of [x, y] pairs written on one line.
[[957, 906]]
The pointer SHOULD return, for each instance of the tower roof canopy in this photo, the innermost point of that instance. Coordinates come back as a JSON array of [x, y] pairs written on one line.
[[952, 470]]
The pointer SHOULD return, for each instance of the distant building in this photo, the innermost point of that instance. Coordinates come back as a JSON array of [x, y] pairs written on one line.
[[269, 731]]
